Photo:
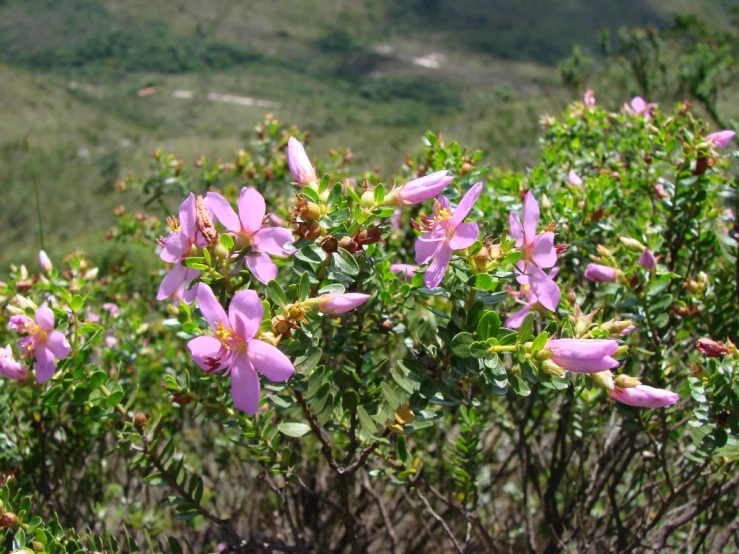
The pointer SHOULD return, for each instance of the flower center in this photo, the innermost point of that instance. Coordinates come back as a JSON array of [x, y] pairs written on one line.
[[229, 339]]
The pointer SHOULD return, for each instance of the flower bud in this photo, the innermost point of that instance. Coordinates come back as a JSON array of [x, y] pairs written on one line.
[[647, 260], [603, 251], [334, 304], [423, 188], [614, 327], [280, 325], [643, 396], [220, 251], [626, 381], [601, 273], [368, 198], [711, 348], [574, 179], [603, 380], [139, 419], [632, 244], [721, 139], [550, 368], [544, 202], [299, 164], [8, 520], [44, 261], [621, 351]]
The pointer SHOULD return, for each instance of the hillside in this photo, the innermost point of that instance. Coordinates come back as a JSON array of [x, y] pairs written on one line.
[[373, 76]]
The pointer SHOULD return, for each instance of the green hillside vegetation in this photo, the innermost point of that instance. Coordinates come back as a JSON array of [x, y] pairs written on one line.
[[372, 76]]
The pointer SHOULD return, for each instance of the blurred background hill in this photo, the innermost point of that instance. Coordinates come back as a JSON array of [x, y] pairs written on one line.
[[88, 88]]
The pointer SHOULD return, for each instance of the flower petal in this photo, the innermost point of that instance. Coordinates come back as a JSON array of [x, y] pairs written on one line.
[[245, 313], [435, 272], [273, 239], [45, 364], [543, 251], [251, 210], [207, 352], [466, 204], [515, 320], [545, 289], [261, 266], [45, 318], [187, 217], [172, 281], [464, 236], [644, 396], [245, 387], [425, 247], [211, 309], [176, 245], [58, 344], [582, 349], [531, 216], [223, 212], [270, 362], [516, 229]]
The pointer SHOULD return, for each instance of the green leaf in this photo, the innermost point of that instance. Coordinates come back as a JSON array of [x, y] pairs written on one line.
[[295, 430], [479, 349], [77, 303], [539, 342], [527, 329], [519, 385], [227, 241], [346, 263], [401, 449], [276, 294], [335, 196], [488, 325], [311, 194], [350, 400], [304, 286], [483, 281], [379, 194], [461, 345], [390, 395], [366, 422]]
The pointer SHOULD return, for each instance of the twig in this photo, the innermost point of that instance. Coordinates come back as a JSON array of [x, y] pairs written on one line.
[[441, 521]]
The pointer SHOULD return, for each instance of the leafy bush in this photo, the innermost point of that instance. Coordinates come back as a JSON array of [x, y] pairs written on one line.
[[347, 402]]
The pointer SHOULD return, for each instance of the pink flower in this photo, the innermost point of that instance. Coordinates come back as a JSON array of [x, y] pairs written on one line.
[[647, 259], [111, 341], [589, 98], [233, 346], [299, 164], [395, 219], [574, 179], [583, 355], [44, 261], [640, 106], [112, 309], [177, 247], [9, 368], [721, 138], [405, 271], [601, 273], [515, 320], [42, 341], [446, 232], [249, 229], [336, 303], [423, 188], [643, 396], [628, 330], [538, 253]]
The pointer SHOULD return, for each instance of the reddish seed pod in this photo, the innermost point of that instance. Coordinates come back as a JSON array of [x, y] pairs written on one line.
[[8, 520]]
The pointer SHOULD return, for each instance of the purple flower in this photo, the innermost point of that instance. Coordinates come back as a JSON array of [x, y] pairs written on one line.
[[538, 253], [589, 98], [423, 188], [647, 259], [233, 346], [583, 355], [42, 341], [446, 232], [9, 368], [640, 106], [601, 273], [721, 138], [44, 261], [336, 303], [299, 164], [643, 396], [574, 179], [405, 271], [515, 320], [112, 309], [248, 227], [395, 219], [177, 247]]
